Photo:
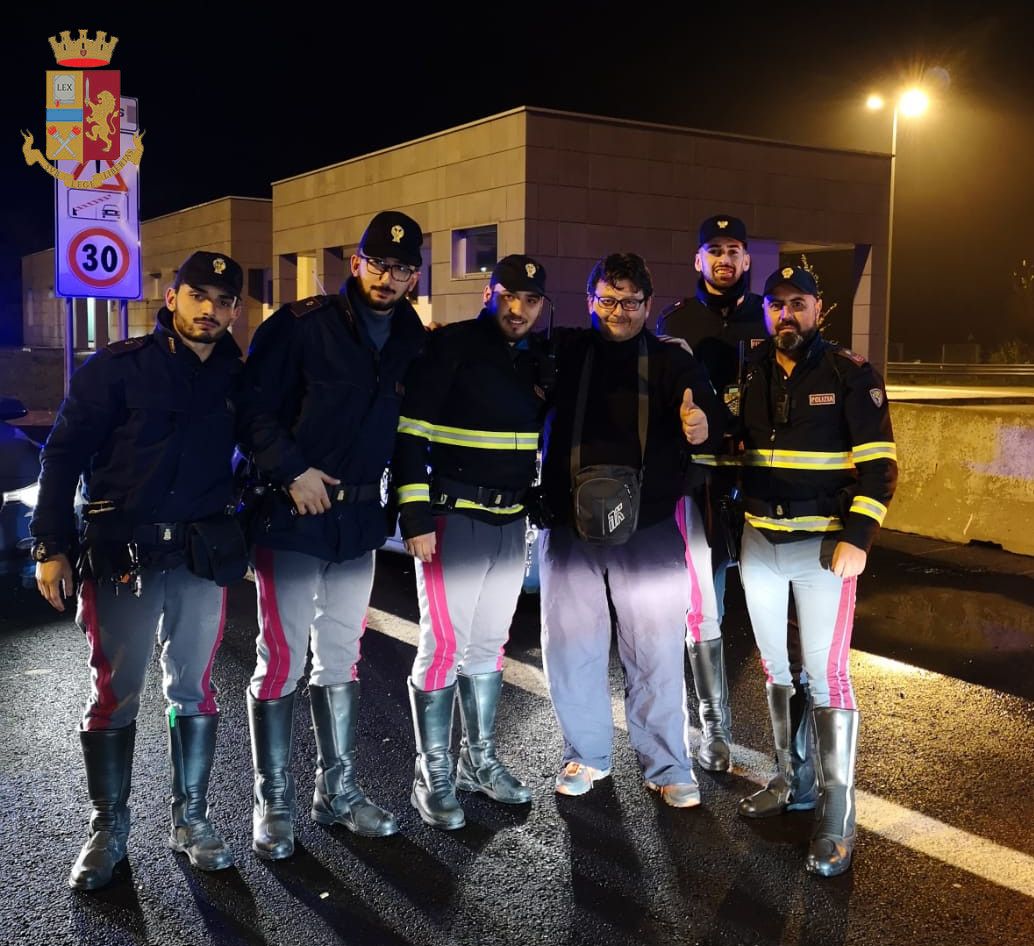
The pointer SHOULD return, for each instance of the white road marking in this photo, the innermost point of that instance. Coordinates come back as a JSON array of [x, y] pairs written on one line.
[[993, 862]]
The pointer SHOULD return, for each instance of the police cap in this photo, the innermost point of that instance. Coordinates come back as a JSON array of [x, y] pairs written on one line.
[[211, 269], [722, 225], [520, 274], [796, 276], [393, 235]]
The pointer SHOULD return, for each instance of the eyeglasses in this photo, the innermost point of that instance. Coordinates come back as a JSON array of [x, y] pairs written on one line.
[[609, 303], [399, 271]]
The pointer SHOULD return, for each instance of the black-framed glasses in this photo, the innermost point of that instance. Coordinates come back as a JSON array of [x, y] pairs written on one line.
[[379, 267], [609, 303]]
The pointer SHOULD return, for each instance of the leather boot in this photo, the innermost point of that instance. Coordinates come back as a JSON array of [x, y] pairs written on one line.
[[832, 843], [108, 755], [191, 748], [434, 794], [478, 769], [794, 786], [272, 726], [707, 661], [337, 798]]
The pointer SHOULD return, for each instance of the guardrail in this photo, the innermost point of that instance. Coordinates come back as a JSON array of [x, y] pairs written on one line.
[[932, 369]]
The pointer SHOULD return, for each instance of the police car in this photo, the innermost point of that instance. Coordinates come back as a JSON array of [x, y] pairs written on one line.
[[19, 473]]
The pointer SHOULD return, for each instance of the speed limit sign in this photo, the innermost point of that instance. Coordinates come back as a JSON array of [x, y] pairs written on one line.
[[98, 257], [97, 250]]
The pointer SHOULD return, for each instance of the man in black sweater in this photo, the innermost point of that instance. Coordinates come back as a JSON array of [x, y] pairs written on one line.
[[609, 381]]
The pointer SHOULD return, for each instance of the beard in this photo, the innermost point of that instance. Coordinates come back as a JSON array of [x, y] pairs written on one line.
[[793, 340], [374, 303]]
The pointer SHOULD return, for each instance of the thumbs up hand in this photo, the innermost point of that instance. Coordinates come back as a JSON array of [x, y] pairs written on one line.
[[694, 420]]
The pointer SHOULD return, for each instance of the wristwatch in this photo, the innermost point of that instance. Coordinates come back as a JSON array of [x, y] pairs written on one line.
[[42, 552]]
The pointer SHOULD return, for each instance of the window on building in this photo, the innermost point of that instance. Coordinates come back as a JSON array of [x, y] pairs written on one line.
[[474, 250]]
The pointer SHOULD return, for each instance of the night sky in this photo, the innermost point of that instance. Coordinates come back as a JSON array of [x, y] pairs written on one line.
[[232, 103]]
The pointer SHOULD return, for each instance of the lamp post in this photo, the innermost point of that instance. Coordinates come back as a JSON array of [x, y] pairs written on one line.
[[911, 103]]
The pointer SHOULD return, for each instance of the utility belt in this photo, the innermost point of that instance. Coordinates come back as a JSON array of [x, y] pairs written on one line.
[[826, 506], [445, 492], [363, 493], [213, 548]]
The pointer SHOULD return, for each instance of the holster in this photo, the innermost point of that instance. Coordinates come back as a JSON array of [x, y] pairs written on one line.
[[217, 549]]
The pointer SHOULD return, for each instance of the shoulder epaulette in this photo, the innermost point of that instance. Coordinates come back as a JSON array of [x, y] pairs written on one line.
[[674, 307], [849, 355], [129, 344], [305, 306]]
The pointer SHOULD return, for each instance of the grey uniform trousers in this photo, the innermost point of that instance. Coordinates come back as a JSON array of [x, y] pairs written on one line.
[[649, 590], [825, 612], [303, 599], [189, 614], [468, 593]]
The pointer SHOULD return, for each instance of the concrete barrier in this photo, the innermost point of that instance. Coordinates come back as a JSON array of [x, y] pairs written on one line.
[[966, 473]]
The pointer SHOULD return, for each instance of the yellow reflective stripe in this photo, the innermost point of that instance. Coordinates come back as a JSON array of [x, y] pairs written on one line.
[[500, 510], [799, 459], [796, 524], [877, 450], [709, 459], [417, 428], [414, 493], [869, 507], [462, 437]]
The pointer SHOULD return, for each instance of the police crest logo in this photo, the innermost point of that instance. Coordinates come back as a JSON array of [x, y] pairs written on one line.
[[530, 270], [397, 233], [219, 265], [787, 273], [722, 224], [877, 396], [82, 113], [820, 399]]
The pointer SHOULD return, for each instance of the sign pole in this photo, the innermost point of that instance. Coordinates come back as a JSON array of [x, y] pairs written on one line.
[[69, 341], [123, 319]]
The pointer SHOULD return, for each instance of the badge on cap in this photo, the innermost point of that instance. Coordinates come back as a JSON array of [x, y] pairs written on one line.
[[787, 273], [529, 268], [722, 224], [397, 233], [219, 265]]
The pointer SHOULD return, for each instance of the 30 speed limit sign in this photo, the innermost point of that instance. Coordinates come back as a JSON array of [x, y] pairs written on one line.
[[99, 258], [97, 247]]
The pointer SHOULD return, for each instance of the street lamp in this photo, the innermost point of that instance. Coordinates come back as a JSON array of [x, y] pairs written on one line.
[[911, 103]]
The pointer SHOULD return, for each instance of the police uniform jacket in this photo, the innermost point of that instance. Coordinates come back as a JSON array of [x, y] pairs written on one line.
[[472, 414], [610, 429], [150, 427], [715, 334], [318, 393], [819, 449]]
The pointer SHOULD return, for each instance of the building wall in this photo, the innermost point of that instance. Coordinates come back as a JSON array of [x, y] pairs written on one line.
[[599, 185], [464, 177]]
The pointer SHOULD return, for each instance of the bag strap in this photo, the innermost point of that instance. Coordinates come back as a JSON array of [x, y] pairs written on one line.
[[583, 398]]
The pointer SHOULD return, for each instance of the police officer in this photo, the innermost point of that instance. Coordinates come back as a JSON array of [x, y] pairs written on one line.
[[619, 397], [820, 470], [723, 323], [322, 391], [148, 422], [464, 462]]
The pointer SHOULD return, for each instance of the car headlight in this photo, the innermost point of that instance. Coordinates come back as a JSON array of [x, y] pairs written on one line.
[[27, 495]]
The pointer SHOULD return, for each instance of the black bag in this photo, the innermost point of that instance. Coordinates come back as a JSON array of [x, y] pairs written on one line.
[[217, 549], [606, 497]]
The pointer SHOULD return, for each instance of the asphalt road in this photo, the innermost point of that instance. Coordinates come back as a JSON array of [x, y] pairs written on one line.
[[944, 673]]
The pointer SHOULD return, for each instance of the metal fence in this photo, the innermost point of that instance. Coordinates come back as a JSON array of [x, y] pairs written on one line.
[[932, 370]]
